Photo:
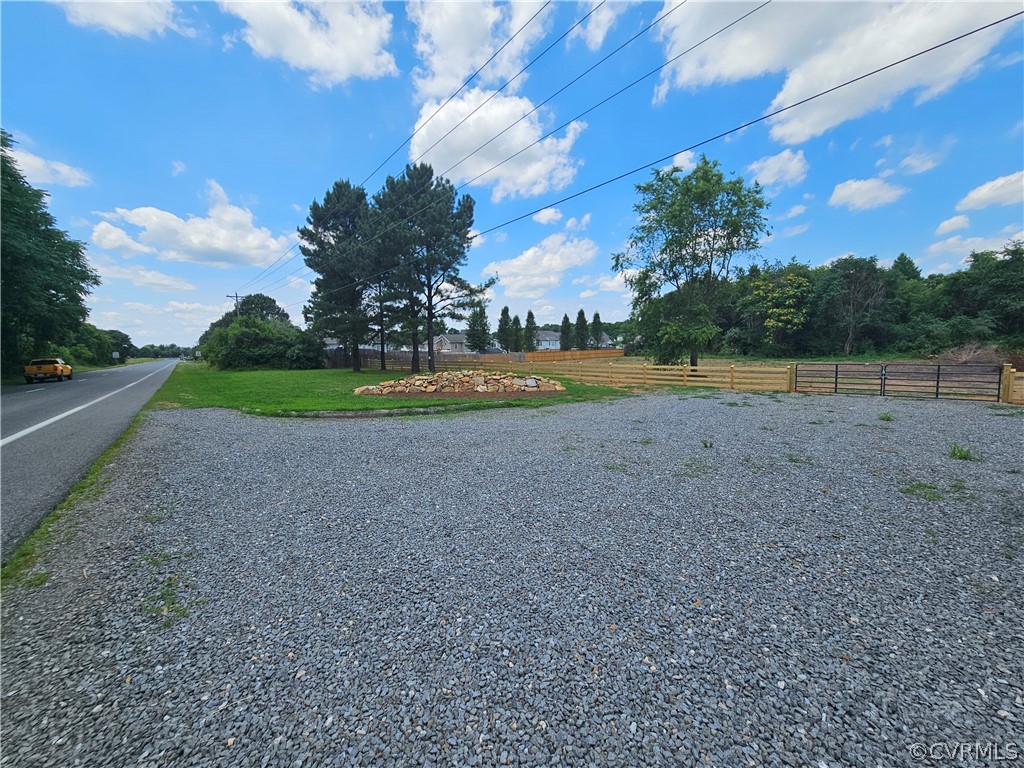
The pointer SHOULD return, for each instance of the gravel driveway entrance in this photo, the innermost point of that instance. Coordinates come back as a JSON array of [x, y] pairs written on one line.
[[722, 580]]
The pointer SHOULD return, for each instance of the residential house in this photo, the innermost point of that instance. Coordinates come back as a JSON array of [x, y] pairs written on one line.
[[548, 340], [450, 343]]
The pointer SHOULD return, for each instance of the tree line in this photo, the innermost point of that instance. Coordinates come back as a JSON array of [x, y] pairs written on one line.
[[690, 297]]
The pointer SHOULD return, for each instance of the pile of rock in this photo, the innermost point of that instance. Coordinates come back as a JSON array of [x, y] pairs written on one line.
[[463, 381]]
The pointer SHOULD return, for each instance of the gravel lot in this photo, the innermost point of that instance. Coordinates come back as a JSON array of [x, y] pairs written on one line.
[[716, 580]]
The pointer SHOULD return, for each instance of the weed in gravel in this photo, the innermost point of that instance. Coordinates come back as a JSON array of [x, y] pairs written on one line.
[[157, 559], [925, 491], [931, 536], [736, 404], [1013, 471], [961, 453], [647, 441], [695, 467], [815, 421], [706, 444], [165, 602], [793, 458], [886, 416], [615, 467]]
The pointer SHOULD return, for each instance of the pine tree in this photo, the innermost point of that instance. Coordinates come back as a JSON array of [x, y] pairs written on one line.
[[478, 331], [581, 336], [504, 332], [565, 334], [516, 335], [597, 331], [530, 333]]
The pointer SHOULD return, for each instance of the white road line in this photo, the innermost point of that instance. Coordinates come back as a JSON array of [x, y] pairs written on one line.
[[48, 422], [35, 390]]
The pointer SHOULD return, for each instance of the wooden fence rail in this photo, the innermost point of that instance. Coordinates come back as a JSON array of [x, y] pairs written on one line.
[[761, 378]]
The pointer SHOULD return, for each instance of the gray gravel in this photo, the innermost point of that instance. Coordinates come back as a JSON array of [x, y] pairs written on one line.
[[721, 580]]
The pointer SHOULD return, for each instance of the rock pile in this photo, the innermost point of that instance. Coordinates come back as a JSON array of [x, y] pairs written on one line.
[[463, 381]]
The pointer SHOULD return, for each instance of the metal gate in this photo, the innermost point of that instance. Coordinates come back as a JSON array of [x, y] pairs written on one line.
[[948, 382]]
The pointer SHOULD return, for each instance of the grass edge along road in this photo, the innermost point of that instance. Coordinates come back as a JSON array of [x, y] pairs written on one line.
[[299, 393], [26, 556]]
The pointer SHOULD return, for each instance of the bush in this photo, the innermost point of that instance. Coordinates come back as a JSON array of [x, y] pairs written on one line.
[[252, 342]]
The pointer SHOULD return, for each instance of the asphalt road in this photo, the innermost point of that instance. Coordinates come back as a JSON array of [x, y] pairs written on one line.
[[51, 433]]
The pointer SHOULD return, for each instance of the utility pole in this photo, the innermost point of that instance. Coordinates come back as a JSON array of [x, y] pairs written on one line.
[[236, 297]]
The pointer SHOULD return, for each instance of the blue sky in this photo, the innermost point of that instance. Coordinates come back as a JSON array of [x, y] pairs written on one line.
[[184, 142]]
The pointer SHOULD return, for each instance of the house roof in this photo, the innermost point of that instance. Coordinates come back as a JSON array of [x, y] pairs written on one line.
[[453, 337], [548, 335]]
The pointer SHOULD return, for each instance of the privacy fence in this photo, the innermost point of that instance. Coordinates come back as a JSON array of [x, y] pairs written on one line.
[[609, 368]]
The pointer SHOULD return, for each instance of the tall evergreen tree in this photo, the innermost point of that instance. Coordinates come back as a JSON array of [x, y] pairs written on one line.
[[478, 330], [44, 275], [516, 335], [597, 331], [565, 334], [333, 244], [504, 332], [530, 337], [581, 333]]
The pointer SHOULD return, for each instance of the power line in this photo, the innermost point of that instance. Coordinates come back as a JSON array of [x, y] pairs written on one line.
[[509, 81], [605, 100], [749, 123], [717, 137], [565, 87], [457, 92]]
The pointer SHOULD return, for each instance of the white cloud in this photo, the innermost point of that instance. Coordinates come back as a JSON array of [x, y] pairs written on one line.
[[963, 246], [792, 213], [864, 194], [127, 19], [885, 141], [38, 170], [952, 225], [615, 283], [785, 169], [476, 239], [226, 236], [110, 238], [177, 168], [596, 28], [1006, 190], [588, 294], [919, 162], [540, 268], [544, 167], [547, 216], [454, 39], [799, 229], [684, 161], [333, 42], [579, 224], [817, 48], [141, 277]]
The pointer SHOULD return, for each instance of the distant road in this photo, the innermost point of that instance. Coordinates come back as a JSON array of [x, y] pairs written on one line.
[[52, 432]]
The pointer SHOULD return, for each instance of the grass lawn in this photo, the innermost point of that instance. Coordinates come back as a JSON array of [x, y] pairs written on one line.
[[196, 385]]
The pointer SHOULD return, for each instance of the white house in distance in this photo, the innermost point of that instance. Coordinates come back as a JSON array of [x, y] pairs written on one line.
[[452, 343], [548, 340]]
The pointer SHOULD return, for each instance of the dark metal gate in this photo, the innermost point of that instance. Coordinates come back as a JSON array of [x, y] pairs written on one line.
[[949, 382]]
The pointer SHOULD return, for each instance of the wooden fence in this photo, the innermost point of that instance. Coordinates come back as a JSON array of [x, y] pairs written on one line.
[[1013, 385], [554, 355], [616, 371]]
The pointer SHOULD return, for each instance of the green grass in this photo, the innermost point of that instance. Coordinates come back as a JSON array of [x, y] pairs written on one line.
[[961, 453], [26, 557], [924, 491], [285, 393], [886, 417]]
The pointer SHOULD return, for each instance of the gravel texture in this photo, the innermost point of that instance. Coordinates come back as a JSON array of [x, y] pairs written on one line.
[[717, 580]]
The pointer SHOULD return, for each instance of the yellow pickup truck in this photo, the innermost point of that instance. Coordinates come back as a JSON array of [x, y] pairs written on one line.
[[47, 368]]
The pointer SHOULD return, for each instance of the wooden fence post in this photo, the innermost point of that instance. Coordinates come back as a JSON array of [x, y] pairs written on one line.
[[686, 370], [732, 377], [791, 378], [645, 374], [610, 382], [1006, 383]]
